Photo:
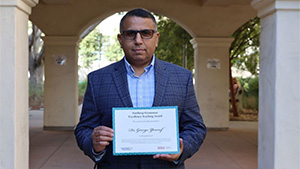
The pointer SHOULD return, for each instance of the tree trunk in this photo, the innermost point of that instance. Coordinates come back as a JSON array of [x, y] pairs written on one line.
[[233, 101], [36, 76], [36, 57], [36, 68]]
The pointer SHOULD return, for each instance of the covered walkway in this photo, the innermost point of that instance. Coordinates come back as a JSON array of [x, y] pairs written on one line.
[[235, 148], [211, 24]]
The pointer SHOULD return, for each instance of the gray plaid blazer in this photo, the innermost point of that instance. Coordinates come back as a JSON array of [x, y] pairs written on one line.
[[108, 88]]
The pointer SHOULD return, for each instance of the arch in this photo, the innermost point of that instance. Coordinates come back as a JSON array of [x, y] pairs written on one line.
[[105, 15]]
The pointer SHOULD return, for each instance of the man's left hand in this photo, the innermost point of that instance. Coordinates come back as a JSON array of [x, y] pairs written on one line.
[[170, 157]]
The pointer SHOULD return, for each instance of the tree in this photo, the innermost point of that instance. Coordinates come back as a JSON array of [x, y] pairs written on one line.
[[90, 47], [244, 52], [174, 43], [36, 57], [36, 65], [114, 52]]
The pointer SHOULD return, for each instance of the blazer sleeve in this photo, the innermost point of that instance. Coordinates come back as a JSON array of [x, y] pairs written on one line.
[[192, 128], [89, 119]]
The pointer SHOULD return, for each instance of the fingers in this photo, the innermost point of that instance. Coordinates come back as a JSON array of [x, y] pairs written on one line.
[[167, 157], [101, 136], [170, 157], [103, 131], [181, 145]]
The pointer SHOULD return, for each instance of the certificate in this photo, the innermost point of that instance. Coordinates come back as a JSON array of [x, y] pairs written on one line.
[[145, 131]]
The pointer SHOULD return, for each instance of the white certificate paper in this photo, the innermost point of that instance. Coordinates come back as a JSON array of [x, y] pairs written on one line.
[[145, 131]]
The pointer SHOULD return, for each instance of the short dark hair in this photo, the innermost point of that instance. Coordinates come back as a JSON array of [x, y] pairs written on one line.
[[139, 12]]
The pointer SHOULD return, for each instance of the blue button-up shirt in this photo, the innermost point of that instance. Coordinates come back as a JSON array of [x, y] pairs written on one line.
[[141, 89]]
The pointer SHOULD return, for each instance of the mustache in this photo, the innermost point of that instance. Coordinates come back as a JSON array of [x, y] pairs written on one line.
[[138, 48]]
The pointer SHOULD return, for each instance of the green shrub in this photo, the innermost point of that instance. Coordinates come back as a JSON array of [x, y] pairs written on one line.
[[250, 94], [81, 88], [250, 102]]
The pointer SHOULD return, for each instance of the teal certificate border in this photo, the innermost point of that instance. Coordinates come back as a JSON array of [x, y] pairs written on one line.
[[146, 153]]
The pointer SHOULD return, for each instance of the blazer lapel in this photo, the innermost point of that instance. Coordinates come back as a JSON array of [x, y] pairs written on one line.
[[120, 80], [161, 79]]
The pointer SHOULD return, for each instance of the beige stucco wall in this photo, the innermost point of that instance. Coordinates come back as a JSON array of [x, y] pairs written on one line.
[[211, 83], [14, 142], [279, 85], [60, 88]]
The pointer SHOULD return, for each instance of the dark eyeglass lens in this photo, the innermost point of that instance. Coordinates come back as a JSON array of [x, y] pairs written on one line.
[[146, 33], [130, 34]]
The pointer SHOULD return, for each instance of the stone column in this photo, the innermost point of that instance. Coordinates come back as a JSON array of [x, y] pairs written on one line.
[[279, 84], [14, 139], [211, 64], [61, 78]]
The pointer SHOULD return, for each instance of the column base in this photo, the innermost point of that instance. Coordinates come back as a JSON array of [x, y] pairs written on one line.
[[60, 128], [217, 128]]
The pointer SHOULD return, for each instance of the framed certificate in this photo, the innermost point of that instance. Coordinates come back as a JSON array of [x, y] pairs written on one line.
[[145, 131]]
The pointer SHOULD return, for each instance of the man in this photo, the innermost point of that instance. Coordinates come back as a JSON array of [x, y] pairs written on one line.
[[138, 80]]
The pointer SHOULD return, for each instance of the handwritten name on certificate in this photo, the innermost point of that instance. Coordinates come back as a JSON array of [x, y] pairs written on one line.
[[145, 131]]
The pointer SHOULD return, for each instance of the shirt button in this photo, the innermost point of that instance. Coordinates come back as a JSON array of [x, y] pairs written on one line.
[[141, 97]]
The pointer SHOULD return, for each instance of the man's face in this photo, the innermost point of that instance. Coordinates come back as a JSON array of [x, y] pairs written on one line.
[[139, 51]]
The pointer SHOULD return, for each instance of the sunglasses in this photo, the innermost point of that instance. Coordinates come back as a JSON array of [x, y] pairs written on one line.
[[131, 34]]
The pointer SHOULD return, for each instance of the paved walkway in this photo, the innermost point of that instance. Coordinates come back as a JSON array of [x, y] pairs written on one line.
[[235, 148]]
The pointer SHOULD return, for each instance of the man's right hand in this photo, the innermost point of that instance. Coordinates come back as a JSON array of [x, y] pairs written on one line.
[[101, 136]]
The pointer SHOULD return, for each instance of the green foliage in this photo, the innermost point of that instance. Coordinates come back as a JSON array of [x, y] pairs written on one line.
[[244, 50], [250, 94], [81, 88], [114, 52], [90, 47], [172, 40], [250, 102]]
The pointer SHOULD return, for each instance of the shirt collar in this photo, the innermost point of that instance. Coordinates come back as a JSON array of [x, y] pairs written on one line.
[[130, 70]]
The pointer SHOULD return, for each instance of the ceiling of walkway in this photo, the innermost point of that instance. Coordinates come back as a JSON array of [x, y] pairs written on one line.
[[193, 2], [201, 18]]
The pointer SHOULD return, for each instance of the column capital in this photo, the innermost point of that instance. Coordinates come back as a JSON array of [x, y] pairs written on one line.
[[221, 42], [267, 7], [61, 40], [23, 5]]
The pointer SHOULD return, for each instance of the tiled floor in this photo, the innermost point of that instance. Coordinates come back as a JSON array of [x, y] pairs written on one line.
[[235, 148]]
